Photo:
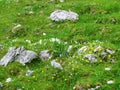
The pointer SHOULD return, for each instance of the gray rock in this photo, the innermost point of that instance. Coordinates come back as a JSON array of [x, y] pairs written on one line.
[[104, 55], [82, 49], [19, 54], [91, 57], [61, 15], [110, 51], [45, 55], [29, 73], [56, 64]]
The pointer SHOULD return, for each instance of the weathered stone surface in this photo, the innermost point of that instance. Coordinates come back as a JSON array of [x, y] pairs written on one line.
[[60, 15], [82, 49], [91, 57], [29, 73], [19, 54], [45, 55], [56, 64]]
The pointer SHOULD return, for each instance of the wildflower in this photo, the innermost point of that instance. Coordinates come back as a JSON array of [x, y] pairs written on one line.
[[110, 82], [69, 48], [28, 41], [8, 80], [101, 61], [55, 40], [31, 12], [86, 61], [40, 41], [107, 69], [44, 34]]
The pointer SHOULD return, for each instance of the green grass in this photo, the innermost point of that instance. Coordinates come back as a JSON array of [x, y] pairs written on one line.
[[98, 20]]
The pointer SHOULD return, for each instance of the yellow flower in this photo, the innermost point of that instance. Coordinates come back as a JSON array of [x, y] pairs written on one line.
[[101, 61], [65, 79], [86, 61], [109, 56], [52, 77], [42, 71], [33, 76]]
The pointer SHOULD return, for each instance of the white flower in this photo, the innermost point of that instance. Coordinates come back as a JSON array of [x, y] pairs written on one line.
[[107, 69], [110, 51], [8, 80], [31, 12], [44, 34], [28, 41], [61, 0], [40, 41], [69, 48], [55, 40], [110, 82]]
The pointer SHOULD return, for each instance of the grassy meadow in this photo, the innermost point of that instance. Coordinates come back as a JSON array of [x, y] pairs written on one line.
[[98, 24]]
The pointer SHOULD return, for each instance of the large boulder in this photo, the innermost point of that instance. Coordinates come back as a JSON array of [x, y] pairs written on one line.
[[19, 54], [61, 15]]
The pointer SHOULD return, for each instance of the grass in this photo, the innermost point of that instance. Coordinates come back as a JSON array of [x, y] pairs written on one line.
[[98, 20]]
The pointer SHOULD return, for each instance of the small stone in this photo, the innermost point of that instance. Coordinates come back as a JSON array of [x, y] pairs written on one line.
[[55, 40], [110, 51], [112, 61], [91, 57], [110, 82], [56, 64], [61, 15], [16, 28], [28, 41], [104, 55], [45, 55], [29, 73], [31, 12], [82, 49], [8, 80], [97, 49]]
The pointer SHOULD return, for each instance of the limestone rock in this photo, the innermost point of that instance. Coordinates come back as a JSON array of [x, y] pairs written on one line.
[[56, 64], [82, 49], [91, 57], [19, 54], [29, 73], [61, 15], [45, 55]]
